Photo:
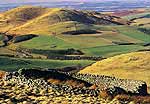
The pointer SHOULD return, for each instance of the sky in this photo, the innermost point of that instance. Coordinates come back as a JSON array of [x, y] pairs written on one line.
[[26, 1]]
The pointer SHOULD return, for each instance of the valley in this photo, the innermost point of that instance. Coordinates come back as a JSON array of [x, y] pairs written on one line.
[[61, 53]]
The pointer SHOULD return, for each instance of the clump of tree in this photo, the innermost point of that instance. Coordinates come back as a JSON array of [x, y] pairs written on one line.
[[83, 31], [69, 51], [6, 39], [23, 38], [145, 30]]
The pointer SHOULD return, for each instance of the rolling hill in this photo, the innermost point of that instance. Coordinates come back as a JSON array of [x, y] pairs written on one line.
[[28, 19], [143, 21], [53, 29], [138, 17], [134, 65], [126, 13]]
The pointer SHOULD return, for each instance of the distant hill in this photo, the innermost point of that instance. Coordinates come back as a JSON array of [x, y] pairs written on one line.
[[137, 17], [127, 12], [134, 65], [28, 19], [142, 21]]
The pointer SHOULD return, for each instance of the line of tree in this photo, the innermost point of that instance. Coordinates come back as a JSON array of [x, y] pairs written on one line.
[[145, 30]]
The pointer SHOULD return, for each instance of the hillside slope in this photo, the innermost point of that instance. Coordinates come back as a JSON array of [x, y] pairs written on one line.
[[143, 21], [134, 65], [26, 19]]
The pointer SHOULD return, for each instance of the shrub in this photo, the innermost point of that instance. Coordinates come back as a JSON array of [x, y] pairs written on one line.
[[21, 71], [2, 74], [78, 32], [122, 43], [1, 37], [105, 95], [52, 53], [145, 30]]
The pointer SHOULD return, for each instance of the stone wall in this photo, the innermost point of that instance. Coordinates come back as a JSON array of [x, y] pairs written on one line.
[[105, 82], [111, 84]]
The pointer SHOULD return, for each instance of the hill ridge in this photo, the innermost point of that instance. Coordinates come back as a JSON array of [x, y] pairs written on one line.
[[20, 20]]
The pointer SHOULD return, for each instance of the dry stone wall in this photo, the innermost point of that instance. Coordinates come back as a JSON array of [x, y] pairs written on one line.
[[105, 82], [111, 84]]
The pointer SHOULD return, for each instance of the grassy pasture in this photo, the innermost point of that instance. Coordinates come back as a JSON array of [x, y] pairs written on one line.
[[45, 42], [134, 33], [92, 44], [13, 64], [109, 33], [111, 50], [83, 41], [118, 37]]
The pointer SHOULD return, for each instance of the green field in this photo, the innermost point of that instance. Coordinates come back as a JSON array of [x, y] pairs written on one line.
[[111, 50], [134, 33], [45, 42], [13, 64], [87, 42], [55, 33], [82, 41]]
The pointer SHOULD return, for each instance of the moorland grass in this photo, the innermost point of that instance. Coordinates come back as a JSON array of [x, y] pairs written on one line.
[[134, 65]]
